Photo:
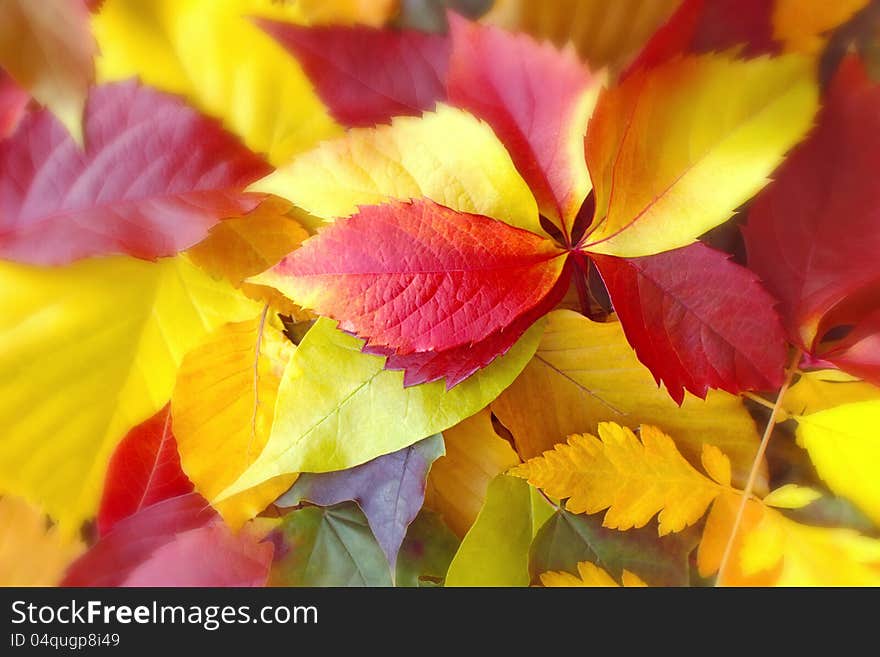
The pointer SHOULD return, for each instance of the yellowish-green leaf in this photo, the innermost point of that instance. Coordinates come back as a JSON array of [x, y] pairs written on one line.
[[337, 407], [823, 389], [590, 575], [222, 62], [222, 410], [48, 48], [585, 373], [633, 479], [448, 156], [495, 551], [792, 496], [32, 553], [87, 351], [457, 483], [844, 445], [675, 150]]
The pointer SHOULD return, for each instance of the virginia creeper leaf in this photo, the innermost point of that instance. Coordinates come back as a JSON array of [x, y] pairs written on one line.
[[365, 75], [447, 156], [697, 320], [814, 233], [222, 409], [537, 100], [221, 62], [110, 333], [859, 352], [180, 174], [418, 276], [673, 151], [585, 372], [457, 483], [177, 542], [390, 490], [144, 470], [589, 575], [329, 547], [49, 50], [338, 407]]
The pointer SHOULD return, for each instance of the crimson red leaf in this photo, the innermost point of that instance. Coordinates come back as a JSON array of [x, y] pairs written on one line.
[[697, 320], [418, 276], [366, 75], [859, 352], [702, 26], [813, 234], [537, 100], [144, 469], [154, 177], [180, 541], [13, 101]]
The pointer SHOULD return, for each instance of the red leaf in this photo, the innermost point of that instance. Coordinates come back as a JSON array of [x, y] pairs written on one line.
[[533, 97], [697, 320], [154, 177], [859, 352], [366, 75], [813, 235], [458, 363], [13, 101], [145, 469], [418, 276], [177, 542], [702, 26]]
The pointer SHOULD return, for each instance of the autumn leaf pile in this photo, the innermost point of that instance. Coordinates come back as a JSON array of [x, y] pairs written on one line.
[[340, 293]]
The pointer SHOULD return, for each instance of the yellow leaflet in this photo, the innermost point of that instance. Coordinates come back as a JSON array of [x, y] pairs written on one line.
[[844, 446], [222, 411], [792, 496], [344, 12], [585, 373], [210, 52], [86, 352], [634, 479], [823, 389], [337, 407], [448, 156], [674, 151], [590, 575], [457, 483], [802, 25], [32, 553]]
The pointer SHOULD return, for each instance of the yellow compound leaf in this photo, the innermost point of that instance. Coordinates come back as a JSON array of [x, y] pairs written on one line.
[[802, 25], [586, 372], [590, 575], [633, 479], [88, 351], [222, 411], [447, 156], [209, 52], [844, 446], [457, 483], [32, 553], [48, 48], [672, 152]]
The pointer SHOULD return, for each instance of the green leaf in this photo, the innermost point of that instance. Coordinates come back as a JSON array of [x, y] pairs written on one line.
[[495, 552], [566, 539], [337, 407], [426, 552], [329, 547]]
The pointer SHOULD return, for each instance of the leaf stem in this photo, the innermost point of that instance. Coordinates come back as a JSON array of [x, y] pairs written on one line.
[[756, 466], [580, 282], [759, 400]]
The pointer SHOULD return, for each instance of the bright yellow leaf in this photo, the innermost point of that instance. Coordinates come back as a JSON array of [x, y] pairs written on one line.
[[844, 445], [673, 151], [823, 389], [448, 156], [590, 575], [209, 52], [802, 25], [792, 496], [47, 47], [87, 351], [345, 12], [338, 407], [633, 479], [222, 410], [586, 372], [32, 553], [457, 483], [604, 33]]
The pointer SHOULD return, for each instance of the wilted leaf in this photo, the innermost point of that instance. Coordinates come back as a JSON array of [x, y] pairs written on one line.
[[589, 575]]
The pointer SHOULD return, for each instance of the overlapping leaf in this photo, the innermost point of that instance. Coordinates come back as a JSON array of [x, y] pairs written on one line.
[[589, 575], [13, 101]]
